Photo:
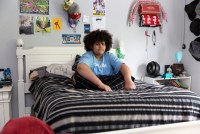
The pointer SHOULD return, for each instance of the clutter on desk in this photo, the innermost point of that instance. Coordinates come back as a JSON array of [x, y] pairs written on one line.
[[5, 76]]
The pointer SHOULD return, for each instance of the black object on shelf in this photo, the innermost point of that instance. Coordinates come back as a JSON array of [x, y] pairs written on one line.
[[153, 69], [5, 82]]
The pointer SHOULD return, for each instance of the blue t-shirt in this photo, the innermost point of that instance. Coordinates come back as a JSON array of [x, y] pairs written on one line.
[[109, 64]]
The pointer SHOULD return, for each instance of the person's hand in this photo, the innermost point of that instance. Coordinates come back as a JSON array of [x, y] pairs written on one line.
[[129, 85], [105, 87]]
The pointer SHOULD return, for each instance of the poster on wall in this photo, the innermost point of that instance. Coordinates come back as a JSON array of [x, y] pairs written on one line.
[[42, 25], [99, 23], [34, 6], [86, 28], [26, 25], [57, 24], [99, 8], [71, 38]]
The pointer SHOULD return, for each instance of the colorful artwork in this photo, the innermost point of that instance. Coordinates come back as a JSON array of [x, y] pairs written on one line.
[[42, 24], [34, 6], [57, 24], [26, 24], [99, 8], [71, 38]]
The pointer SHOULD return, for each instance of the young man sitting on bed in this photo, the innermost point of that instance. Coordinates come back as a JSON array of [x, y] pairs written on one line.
[[99, 69]]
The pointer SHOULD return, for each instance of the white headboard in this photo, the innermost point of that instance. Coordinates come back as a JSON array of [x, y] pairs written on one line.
[[36, 57]]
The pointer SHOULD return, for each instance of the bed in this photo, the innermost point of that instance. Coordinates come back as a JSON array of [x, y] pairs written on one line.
[[70, 110]]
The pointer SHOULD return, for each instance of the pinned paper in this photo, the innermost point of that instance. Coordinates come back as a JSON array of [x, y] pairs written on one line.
[[57, 24], [86, 19], [99, 8], [99, 23], [71, 38], [86, 28]]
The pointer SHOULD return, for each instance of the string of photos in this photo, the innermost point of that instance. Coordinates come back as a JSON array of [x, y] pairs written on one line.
[[151, 13]]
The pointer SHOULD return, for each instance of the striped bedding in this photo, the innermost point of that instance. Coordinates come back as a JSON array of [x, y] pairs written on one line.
[[69, 110]]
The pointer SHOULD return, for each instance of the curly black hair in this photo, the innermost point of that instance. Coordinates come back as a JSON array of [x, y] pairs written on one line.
[[98, 36]]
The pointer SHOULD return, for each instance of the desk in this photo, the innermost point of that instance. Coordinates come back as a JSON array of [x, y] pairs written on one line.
[[5, 105]]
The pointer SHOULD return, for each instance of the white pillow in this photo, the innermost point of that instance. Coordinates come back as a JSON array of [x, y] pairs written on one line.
[[61, 69]]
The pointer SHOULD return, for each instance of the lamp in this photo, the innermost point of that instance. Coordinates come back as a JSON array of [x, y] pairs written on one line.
[[20, 43], [179, 56]]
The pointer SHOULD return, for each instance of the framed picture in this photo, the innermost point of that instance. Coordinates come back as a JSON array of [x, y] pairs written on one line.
[[177, 69]]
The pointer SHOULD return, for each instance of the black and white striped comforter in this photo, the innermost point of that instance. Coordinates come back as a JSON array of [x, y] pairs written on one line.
[[69, 110]]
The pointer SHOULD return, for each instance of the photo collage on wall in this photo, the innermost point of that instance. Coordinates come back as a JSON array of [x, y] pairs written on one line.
[[31, 24], [34, 19]]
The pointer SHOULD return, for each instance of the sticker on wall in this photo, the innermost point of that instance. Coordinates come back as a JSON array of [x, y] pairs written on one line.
[[71, 38], [86, 28], [34, 6], [99, 23], [86, 19], [42, 25], [26, 25], [57, 24], [99, 8]]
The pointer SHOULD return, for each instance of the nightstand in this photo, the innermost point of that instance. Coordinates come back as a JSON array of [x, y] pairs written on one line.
[[5, 105], [184, 81]]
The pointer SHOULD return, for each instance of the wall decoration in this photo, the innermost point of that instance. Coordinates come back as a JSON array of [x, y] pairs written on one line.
[[42, 25], [73, 12], [57, 24], [99, 23], [34, 6], [26, 25], [71, 38], [99, 8], [150, 10], [86, 19], [86, 28]]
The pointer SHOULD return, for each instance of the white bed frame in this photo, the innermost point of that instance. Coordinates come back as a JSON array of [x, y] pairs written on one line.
[[43, 56], [36, 57], [192, 127]]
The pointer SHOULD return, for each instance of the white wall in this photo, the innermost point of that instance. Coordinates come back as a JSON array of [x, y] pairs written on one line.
[[116, 22]]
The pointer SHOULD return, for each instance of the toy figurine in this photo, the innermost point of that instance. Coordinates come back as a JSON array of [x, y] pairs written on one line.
[[120, 50], [67, 4], [73, 11]]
